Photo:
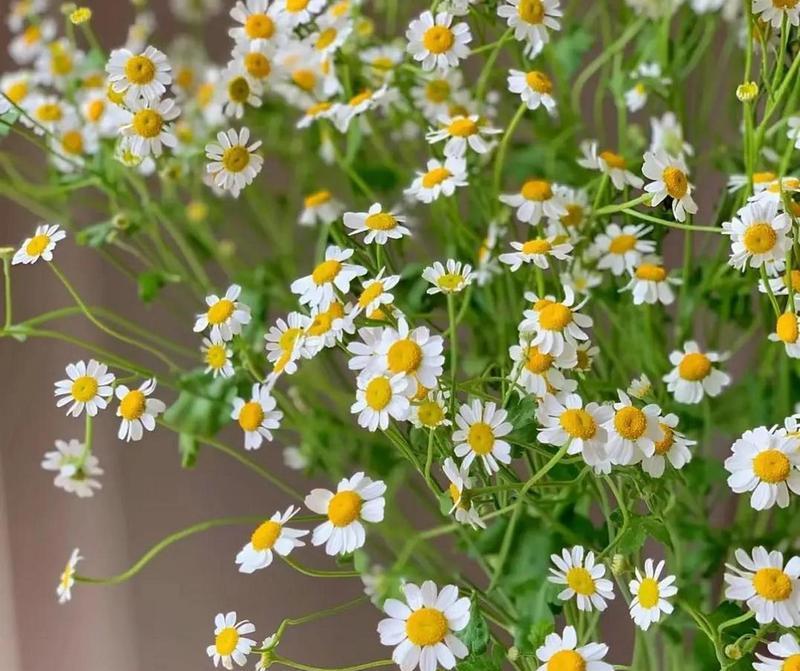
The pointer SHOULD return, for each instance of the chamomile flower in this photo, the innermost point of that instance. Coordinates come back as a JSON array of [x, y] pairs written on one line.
[[582, 578], [15, 89], [331, 34], [257, 417], [787, 331], [357, 105], [532, 21], [564, 419], [357, 499], [581, 279], [436, 43], [225, 315], [780, 285], [481, 428], [650, 283], [88, 387], [640, 387], [270, 536], [72, 141], [535, 201], [461, 132], [298, 12], [142, 75], [29, 43], [380, 398], [217, 357], [673, 446], [320, 207], [67, 579], [75, 468], [759, 236], [316, 111], [230, 642], [137, 410], [463, 508], [238, 90], [233, 163], [257, 22], [58, 63], [422, 629], [770, 588], [286, 342], [45, 112], [632, 431], [561, 653], [650, 593], [765, 462], [537, 373], [669, 178], [318, 289], [438, 91], [557, 326], [667, 136], [375, 293], [537, 251], [785, 654], [534, 87], [576, 204], [774, 11], [609, 163], [40, 246], [450, 279], [694, 374], [382, 60], [621, 248], [148, 127], [430, 412], [636, 97], [379, 226], [439, 178]]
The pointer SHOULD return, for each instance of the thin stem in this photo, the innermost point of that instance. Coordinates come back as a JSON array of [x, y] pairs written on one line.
[[7, 280], [318, 573], [357, 667], [501, 152]]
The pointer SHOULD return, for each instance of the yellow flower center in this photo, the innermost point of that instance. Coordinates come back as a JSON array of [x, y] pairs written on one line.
[[382, 221], [462, 127], [438, 39], [481, 438], [140, 70], [426, 626], [238, 90], [147, 123], [785, 4], [759, 238], [555, 317], [37, 244], [566, 660], [786, 327], [289, 338], [265, 536], [437, 90], [257, 65], [326, 38], [531, 11], [216, 356], [344, 508], [613, 160], [318, 198], [205, 94], [95, 109], [694, 366], [251, 416], [236, 158], [583, 360], [763, 177], [455, 495], [84, 388], [536, 362], [369, 294], [772, 584], [651, 272], [434, 177], [318, 108], [772, 466], [450, 281], [326, 272], [578, 423], [791, 663], [378, 393], [60, 61], [382, 63], [259, 27], [648, 593], [663, 446], [622, 243], [574, 215], [630, 423], [296, 5], [537, 189], [17, 91], [360, 98], [538, 246], [225, 642], [220, 312], [72, 142], [305, 79], [32, 35], [324, 320], [676, 182], [580, 581], [539, 82], [132, 406], [49, 112], [430, 414], [404, 356], [184, 77]]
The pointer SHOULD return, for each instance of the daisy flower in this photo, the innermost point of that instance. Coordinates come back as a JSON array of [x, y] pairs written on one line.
[[238, 89], [379, 226], [636, 97], [40, 246], [217, 357], [414, 352], [785, 649], [319, 288], [382, 60], [375, 293], [557, 326], [532, 20], [458, 489], [766, 462], [479, 434], [609, 163], [29, 43], [621, 249], [233, 164], [331, 34], [583, 579], [771, 590], [439, 178], [438, 91], [357, 105], [270, 536], [564, 419], [431, 411], [535, 200], [138, 412], [640, 387], [286, 341], [320, 207], [759, 236], [147, 128], [57, 64], [89, 386], [576, 204], [673, 447], [537, 373], [258, 23], [298, 12], [650, 283], [694, 374], [667, 135], [537, 251], [534, 87], [144, 75], [649, 594], [356, 499], [632, 432], [669, 178], [72, 141], [581, 280], [380, 398], [448, 280], [230, 643], [318, 110], [462, 132], [328, 326], [225, 315], [67, 579], [436, 43], [422, 629], [787, 331], [257, 417], [560, 653], [74, 467], [774, 11]]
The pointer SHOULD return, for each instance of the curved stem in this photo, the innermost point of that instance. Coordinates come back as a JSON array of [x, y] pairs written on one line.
[[357, 667], [318, 573]]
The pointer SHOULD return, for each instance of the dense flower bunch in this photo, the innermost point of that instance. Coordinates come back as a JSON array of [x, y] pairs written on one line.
[[473, 274]]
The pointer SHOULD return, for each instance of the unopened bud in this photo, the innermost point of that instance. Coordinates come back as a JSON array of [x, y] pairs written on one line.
[[80, 15], [733, 651], [619, 564], [747, 92]]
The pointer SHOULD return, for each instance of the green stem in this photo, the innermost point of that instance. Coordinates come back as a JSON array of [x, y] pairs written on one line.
[[501, 152], [7, 279], [357, 667], [317, 573]]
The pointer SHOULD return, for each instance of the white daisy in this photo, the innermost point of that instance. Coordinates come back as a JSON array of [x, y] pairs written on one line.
[[298, 12], [147, 127], [319, 288], [672, 446], [225, 315], [580, 279], [632, 432], [694, 374], [532, 20], [138, 412], [75, 468], [270, 536], [332, 32], [787, 331], [357, 498], [438, 91], [583, 579], [29, 43], [320, 207], [759, 236], [463, 507], [537, 373], [328, 327], [217, 357], [379, 226], [89, 386], [452, 279], [669, 178], [67, 579], [650, 283], [286, 342], [257, 417], [380, 398], [609, 163], [535, 200], [650, 593], [258, 22], [534, 87], [460, 133], [560, 653], [238, 90], [430, 412], [621, 249], [436, 43], [774, 11], [667, 136], [537, 251], [439, 178], [230, 644], [375, 293], [144, 75], [40, 246], [357, 105], [479, 434], [557, 326], [785, 655], [564, 419], [233, 164]]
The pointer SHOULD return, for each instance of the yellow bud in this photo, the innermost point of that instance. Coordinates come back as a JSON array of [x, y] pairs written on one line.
[[747, 92], [733, 651], [80, 15]]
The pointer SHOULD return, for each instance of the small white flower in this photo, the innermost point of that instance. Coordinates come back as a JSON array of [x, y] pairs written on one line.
[[632, 432], [462, 132], [438, 91], [230, 644], [479, 435], [217, 357], [534, 87], [532, 20], [787, 331], [537, 373], [237, 90], [564, 650], [380, 398], [557, 326], [320, 207], [774, 11], [375, 293], [650, 283], [138, 412], [439, 178], [564, 419], [583, 579], [669, 178], [667, 136], [431, 411], [448, 280], [257, 417], [258, 23], [75, 468], [233, 164], [621, 249], [225, 315], [147, 129], [360, 103], [759, 236], [694, 374], [609, 163], [436, 43], [270, 536], [67, 579], [379, 226], [673, 446], [650, 593], [535, 201], [298, 13], [787, 651], [640, 387], [40, 246], [287, 341], [463, 507], [319, 288], [537, 251], [144, 75], [89, 386]]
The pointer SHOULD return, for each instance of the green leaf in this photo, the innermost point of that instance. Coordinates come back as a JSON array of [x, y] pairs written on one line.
[[476, 633], [96, 235], [150, 284], [640, 528], [7, 120], [188, 448]]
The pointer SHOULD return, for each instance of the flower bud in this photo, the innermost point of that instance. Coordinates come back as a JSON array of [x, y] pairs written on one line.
[[513, 654], [80, 15], [747, 92], [619, 564], [733, 651]]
